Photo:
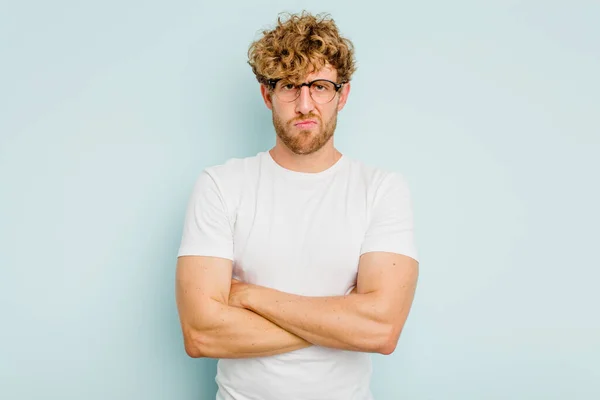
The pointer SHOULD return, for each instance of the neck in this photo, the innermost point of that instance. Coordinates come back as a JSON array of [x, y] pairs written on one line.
[[316, 162]]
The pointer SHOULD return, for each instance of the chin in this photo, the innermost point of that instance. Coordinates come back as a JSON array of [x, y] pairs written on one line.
[[305, 150]]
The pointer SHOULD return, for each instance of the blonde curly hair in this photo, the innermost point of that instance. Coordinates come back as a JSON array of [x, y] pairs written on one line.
[[299, 45]]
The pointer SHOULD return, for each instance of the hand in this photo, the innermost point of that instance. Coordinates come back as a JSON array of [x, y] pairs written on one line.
[[238, 294]]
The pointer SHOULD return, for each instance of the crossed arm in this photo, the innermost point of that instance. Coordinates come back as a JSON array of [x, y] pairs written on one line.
[[221, 318]]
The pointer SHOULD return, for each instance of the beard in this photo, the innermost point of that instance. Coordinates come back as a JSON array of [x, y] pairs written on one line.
[[305, 141]]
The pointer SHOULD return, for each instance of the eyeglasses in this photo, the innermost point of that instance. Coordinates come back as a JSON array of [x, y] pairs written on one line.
[[322, 91]]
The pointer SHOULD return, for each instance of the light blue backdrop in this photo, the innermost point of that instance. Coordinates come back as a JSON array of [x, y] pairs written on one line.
[[110, 109]]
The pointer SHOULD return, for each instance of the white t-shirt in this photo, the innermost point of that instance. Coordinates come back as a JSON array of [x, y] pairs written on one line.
[[300, 233]]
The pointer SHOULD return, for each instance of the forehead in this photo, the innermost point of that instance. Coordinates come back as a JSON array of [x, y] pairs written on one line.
[[326, 72]]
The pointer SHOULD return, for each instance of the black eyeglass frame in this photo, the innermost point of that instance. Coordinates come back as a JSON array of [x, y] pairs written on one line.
[[338, 86]]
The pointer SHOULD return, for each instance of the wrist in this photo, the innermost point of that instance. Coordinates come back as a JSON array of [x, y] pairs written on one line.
[[246, 301], [254, 296]]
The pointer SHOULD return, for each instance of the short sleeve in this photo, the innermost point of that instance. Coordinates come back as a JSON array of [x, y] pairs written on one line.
[[206, 229], [391, 226]]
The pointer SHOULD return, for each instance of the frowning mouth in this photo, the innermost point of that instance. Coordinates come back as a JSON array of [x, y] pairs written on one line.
[[305, 124]]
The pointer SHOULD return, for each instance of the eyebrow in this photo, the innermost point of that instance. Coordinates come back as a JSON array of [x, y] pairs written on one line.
[[312, 80]]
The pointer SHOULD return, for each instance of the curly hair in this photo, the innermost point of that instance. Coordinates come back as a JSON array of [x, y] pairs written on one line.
[[300, 45]]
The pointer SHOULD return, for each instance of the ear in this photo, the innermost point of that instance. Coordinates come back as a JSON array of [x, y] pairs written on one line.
[[266, 95], [344, 93]]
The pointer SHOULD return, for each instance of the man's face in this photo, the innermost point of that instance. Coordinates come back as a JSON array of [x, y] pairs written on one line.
[[304, 125]]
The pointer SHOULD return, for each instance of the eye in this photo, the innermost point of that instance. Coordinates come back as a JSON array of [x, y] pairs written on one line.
[[320, 87], [287, 86]]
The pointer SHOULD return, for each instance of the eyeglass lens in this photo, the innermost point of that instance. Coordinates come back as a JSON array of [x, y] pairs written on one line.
[[321, 91]]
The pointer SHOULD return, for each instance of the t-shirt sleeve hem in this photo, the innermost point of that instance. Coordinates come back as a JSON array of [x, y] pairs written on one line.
[[406, 251], [205, 252]]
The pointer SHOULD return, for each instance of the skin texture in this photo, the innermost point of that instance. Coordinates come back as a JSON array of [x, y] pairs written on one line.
[[225, 318]]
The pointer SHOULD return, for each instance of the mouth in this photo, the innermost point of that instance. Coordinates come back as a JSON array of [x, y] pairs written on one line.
[[305, 124]]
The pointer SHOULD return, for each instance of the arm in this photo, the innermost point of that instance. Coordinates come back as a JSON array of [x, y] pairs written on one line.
[[212, 328], [370, 319]]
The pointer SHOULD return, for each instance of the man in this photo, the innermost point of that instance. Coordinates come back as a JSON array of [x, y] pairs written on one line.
[[320, 247]]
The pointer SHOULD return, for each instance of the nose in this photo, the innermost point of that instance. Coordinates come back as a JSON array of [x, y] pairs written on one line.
[[304, 103]]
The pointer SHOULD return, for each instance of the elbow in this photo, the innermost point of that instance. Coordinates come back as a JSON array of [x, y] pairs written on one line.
[[193, 351], [388, 342], [387, 348], [198, 337], [194, 344]]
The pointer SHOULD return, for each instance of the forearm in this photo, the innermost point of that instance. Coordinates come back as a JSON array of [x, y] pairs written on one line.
[[230, 332], [352, 322]]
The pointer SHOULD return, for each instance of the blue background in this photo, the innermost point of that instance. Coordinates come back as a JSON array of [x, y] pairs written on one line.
[[109, 110]]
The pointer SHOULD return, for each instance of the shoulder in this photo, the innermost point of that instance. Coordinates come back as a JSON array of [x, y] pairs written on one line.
[[227, 179], [377, 180], [233, 170]]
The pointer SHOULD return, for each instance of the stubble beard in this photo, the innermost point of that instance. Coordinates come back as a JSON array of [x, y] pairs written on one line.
[[304, 141]]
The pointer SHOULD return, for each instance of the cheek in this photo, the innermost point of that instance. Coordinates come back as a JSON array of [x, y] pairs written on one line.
[[283, 114], [328, 113]]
